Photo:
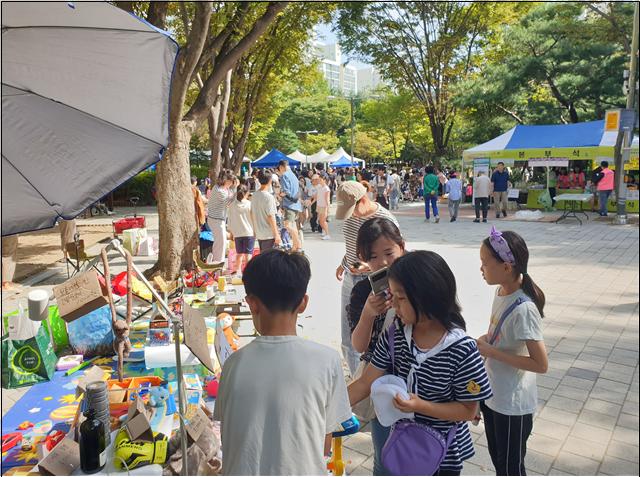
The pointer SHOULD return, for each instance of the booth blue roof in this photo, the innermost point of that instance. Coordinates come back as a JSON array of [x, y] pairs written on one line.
[[273, 158], [558, 135], [342, 162]]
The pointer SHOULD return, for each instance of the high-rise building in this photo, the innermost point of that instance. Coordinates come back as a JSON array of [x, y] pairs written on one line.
[[342, 77], [368, 79]]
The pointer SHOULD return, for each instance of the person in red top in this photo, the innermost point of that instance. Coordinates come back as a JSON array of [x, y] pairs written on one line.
[[576, 178], [605, 186], [563, 180]]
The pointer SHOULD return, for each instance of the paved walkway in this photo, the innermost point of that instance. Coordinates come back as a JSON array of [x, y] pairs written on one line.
[[587, 422]]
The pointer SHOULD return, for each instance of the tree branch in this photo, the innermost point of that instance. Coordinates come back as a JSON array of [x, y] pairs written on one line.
[[611, 19], [510, 113], [157, 14], [200, 107]]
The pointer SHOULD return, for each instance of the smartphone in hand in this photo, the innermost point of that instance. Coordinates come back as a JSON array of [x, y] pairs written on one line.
[[379, 281]]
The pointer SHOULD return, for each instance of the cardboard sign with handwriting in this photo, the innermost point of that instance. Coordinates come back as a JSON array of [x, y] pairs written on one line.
[[198, 424], [80, 295]]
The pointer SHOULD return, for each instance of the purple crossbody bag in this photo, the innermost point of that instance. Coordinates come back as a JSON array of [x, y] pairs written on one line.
[[414, 448]]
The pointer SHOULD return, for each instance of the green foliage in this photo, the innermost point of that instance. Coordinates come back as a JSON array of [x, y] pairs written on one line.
[[314, 113], [559, 64], [284, 140]]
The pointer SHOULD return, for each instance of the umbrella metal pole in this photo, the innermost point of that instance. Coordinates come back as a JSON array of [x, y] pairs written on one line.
[[115, 244]]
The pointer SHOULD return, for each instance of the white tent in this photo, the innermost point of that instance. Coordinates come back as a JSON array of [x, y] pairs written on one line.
[[340, 152], [297, 156], [320, 156], [85, 106]]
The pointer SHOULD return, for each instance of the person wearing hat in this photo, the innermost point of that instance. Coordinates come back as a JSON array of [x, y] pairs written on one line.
[[354, 207]]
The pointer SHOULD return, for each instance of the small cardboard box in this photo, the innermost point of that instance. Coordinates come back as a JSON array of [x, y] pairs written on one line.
[[137, 425], [80, 295], [62, 460]]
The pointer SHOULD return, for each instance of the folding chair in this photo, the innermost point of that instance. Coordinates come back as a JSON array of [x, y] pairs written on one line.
[[76, 256]]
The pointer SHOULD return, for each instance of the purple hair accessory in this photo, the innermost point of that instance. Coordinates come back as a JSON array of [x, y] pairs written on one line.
[[500, 246]]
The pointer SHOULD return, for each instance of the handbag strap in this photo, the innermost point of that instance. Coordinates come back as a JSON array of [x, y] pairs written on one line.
[[391, 343], [519, 301]]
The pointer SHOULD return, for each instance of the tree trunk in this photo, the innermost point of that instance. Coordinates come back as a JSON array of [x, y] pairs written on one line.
[[217, 126], [178, 234], [225, 147]]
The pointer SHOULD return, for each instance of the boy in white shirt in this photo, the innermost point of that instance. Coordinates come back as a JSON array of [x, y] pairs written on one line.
[[321, 198], [280, 396]]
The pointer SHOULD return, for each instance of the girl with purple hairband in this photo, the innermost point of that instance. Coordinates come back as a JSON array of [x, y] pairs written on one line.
[[513, 348]]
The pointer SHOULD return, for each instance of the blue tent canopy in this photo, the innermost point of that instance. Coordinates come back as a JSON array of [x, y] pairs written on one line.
[[557, 135], [342, 162], [273, 158]]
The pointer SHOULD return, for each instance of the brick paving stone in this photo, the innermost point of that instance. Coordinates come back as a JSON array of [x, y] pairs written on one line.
[[626, 435], [590, 433], [555, 471], [359, 471], [603, 407], [565, 404], [597, 419], [544, 444], [628, 420], [610, 395], [537, 462], [473, 469], [576, 464], [612, 466], [360, 442], [558, 416], [548, 382], [368, 464], [623, 451], [354, 459], [581, 383], [630, 407], [591, 449], [550, 429], [482, 458], [571, 393]]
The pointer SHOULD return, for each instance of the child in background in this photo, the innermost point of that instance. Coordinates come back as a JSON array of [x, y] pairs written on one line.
[[322, 204], [280, 396], [379, 244], [240, 226], [441, 364], [514, 350]]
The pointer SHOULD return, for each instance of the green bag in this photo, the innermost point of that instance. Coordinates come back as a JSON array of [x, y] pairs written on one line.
[[58, 327], [27, 362]]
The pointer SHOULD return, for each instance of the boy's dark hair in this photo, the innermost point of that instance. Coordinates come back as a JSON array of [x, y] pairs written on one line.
[[604, 164], [283, 163], [430, 287], [194, 180], [501, 163], [520, 253], [278, 279], [429, 170], [371, 231], [264, 176]]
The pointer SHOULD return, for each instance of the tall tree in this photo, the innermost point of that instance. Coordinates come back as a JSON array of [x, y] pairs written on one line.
[[424, 46], [221, 45], [558, 65], [281, 56]]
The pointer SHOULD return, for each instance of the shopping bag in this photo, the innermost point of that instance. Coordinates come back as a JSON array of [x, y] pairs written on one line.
[[29, 361]]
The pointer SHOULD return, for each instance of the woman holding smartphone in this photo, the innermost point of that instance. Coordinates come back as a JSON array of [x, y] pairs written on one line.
[[370, 312]]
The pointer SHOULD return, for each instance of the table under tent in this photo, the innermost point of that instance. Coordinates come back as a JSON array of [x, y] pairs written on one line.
[[563, 146]]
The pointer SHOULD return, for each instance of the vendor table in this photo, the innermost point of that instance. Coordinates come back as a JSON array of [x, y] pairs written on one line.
[[570, 202]]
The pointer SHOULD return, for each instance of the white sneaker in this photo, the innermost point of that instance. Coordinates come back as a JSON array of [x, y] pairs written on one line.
[[326, 237]]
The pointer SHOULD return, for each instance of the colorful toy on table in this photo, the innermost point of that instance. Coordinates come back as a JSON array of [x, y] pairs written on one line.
[[211, 387], [337, 465], [68, 362], [140, 452], [159, 336], [227, 327], [9, 441], [53, 439], [158, 396], [25, 425], [201, 280]]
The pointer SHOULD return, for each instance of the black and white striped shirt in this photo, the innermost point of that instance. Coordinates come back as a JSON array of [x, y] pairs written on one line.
[[219, 203], [352, 226], [454, 374]]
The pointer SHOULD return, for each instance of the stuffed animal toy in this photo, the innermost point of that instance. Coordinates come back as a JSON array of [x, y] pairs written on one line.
[[227, 327], [158, 396]]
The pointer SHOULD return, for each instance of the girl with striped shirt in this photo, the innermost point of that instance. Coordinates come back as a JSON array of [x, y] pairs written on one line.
[[444, 372], [514, 350], [222, 196]]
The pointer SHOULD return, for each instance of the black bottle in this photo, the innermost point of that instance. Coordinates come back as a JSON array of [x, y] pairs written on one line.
[[93, 454]]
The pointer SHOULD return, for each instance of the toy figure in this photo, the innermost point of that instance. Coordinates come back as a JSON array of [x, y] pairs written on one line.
[[227, 327], [158, 396]]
